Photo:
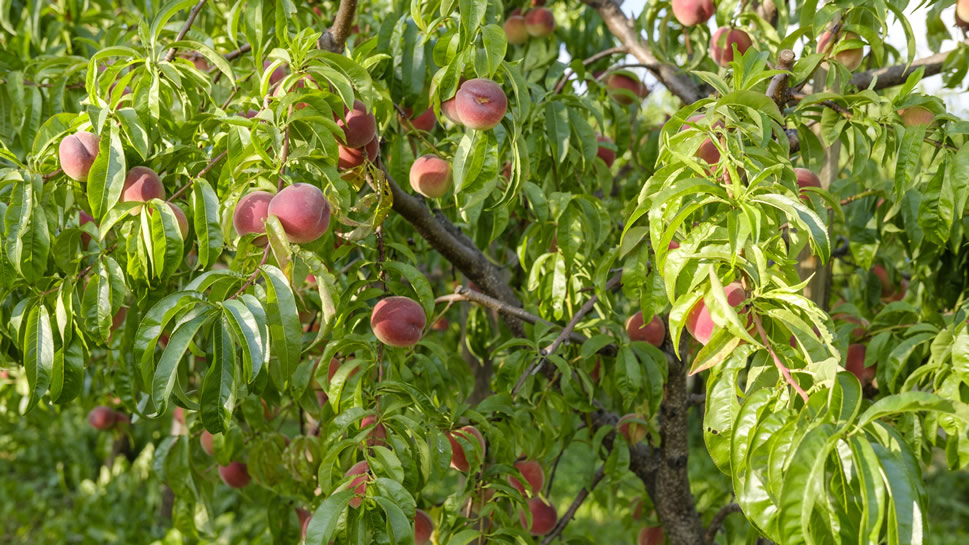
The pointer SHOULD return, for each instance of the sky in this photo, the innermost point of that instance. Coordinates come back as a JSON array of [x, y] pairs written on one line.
[[957, 101]]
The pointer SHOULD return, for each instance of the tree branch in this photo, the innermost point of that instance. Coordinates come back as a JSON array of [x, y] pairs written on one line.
[[622, 27], [576, 503], [891, 76], [718, 519], [335, 38], [600, 55], [188, 24], [778, 90]]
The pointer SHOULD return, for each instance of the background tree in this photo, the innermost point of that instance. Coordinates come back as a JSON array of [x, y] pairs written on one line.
[[755, 305]]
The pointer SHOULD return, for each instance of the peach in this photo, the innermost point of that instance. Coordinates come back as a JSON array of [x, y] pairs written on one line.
[[674, 245], [855, 363], [76, 153], [883, 278], [515, 31], [539, 22], [82, 218], [398, 321], [700, 324], [359, 483], [633, 431], [850, 58], [102, 418], [621, 84], [424, 122], [450, 110], [278, 74], [708, 150], [181, 218], [544, 517], [377, 436], [250, 215], [651, 535], [459, 459], [723, 41], [206, 441], [353, 157], [118, 319], [533, 473], [304, 521], [806, 178], [141, 185], [916, 115], [480, 104], [303, 212], [693, 12], [441, 325], [654, 332], [608, 155], [431, 176], [359, 126], [423, 527], [962, 13], [198, 60], [235, 475]]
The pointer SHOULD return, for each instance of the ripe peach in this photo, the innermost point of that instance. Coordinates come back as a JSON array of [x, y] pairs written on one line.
[[378, 436], [674, 245], [450, 110], [654, 332], [181, 218], [855, 362], [82, 218], [544, 517], [303, 212], [633, 431], [607, 155], [353, 157], [118, 319], [76, 153], [700, 324], [359, 126], [102, 418], [621, 84], [515, 31], [441, 325], [398, 321], [708, 150], [206, 441], [850, 58], [539, 22], [651, 535], [721, 45], [886, 283], [359, 483], [693, 12], [533, 473], [459, 460], [431, 176], [235, 475], [962, 13], [916, 115], [141, 185], [423, 527], [424, 122], [806, 178], [480, 104], [250, 215], [278, 74]]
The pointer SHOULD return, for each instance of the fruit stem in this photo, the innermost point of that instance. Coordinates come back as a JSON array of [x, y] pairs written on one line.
[[777, 361]]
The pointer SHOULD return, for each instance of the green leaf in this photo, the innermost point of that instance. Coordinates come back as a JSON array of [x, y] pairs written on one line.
[[805, 218], [217, 384], [38, 349], [210, 55], [247, 333], [285, 330], [166, 13], [205, 216], [906, 402], [557, 130], [106, 178], [324, 522], [398, 523], [67, 375], [164, 377]]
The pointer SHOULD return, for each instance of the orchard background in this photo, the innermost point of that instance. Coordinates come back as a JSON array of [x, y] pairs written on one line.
[[396, 272]]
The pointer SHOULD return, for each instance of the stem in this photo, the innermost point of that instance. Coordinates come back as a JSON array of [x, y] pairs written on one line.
[[560, 85], [718, 519], [188, 24], [201, 173], [334, 39], [576, 503], [254, 275], [777, 361]]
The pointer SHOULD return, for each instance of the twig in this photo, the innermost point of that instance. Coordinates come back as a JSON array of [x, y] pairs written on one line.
[[718, 519], [201, 173], [335, 38], [255, 273], [600, 55], [285, 153], [188, 24], [52, 174], [777, 361], [777, 90], [576, 503], [862, 195]]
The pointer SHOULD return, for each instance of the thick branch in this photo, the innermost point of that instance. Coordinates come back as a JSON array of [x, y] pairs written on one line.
[[622, 27], [335, 38], [576, 503], [778, 90], [891, 76], [188, 24]]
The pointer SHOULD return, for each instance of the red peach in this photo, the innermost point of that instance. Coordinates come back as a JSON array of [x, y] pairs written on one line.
[[431, 176], [441, 325], [654, 332], [608, 155], [855, 363], [806, 178], [235, 475], [480, 104], [693, 12], [206, 441], [359, 126], [82, 218], [721, 45], [633, 431], [425, 122], [250, 215], [708, 150], [850, 58], [353, 157], [182, 220], [651, 535], [398, 321], [450, 110], [378, 436], [544, 517], [459, 459], [532, 472], [76, 153], [700, 324], [304, 521], [303, 212], [102, 418], [278, 74], [141, 185], [886, 283], [515, 31], [423, 527], [539, 22], [962, 13], [359, 483], [622, 84]]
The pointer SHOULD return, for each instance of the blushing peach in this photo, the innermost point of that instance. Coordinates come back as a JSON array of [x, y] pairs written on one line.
[[651, 535], [721, 45], [480, 104], [353, 157], [359, 483], [855, 363], [82, 218], [423, 527], [544, 517], [378, 435], [142, 184], [398, 321], [102, 418], [181, 218], [206, 441], [633, 431], [806, 178], [431, 176], [532, 472], [304, 521], [850, 58], [539, 22], [235, 475], [608, 155], [700, 324], [962, 13], [654, 332], [515, 31], [886, 283], [915, 116], [708, 150], [250, 215], [450, 110], [278, 74], [693, 12], [359, 125], [303, 212], [459, 459], [77, 153], [425, 122], [624, 87]]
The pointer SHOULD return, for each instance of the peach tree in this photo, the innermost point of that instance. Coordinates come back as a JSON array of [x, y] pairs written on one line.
[[384, 264]]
